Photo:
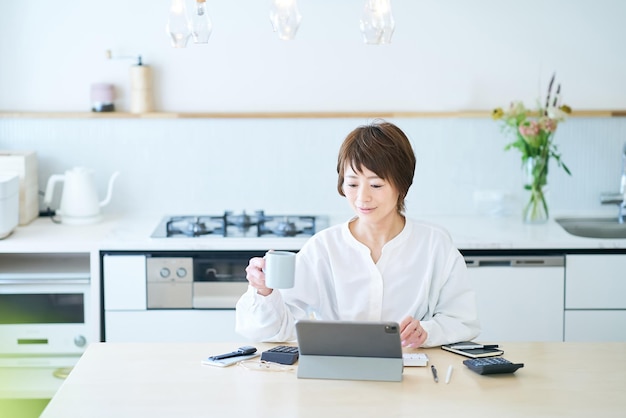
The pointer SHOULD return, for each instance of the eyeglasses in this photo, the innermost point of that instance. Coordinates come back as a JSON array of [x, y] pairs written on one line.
[[265, 366]]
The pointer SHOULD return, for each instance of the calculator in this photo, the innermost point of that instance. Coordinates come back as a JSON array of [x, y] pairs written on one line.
[[283, 354], [492, 365]]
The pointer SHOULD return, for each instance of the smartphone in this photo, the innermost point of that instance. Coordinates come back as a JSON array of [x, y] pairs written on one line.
[[241, 351], [229, 361]]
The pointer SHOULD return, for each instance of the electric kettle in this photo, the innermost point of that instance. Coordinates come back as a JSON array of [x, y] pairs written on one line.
[[79, 202]]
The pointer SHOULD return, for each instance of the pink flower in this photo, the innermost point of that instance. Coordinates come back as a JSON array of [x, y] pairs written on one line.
[[529, 129], [548, 125]]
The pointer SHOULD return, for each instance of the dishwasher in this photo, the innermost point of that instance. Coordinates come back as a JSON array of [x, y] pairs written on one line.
[[520, 297]]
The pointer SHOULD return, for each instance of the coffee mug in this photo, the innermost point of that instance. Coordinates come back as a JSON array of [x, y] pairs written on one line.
[[280, 269]]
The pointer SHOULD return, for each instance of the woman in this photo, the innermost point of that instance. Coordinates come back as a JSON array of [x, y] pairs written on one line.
[[378, 266]]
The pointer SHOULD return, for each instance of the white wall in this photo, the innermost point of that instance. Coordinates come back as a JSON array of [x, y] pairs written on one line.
[[445, 55], [288, 165]]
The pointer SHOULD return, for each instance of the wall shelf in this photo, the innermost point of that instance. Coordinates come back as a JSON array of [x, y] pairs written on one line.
[[282, 115]]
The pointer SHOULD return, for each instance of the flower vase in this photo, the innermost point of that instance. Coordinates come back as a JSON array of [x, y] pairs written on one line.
[[535, 209]]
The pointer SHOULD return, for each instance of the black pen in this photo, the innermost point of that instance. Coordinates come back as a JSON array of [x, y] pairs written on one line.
[[432, 368]]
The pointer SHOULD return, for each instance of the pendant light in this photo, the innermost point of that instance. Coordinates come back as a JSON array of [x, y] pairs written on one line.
[[285, 18], [177, 25], [377, 22], [201, 25]]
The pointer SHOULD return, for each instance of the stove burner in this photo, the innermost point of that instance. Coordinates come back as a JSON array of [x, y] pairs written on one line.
[[286, 229], [237, 225], [243, 221], [192, 226], [196, 228]]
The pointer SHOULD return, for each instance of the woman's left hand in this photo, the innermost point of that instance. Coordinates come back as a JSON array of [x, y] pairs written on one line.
[[411, 332]]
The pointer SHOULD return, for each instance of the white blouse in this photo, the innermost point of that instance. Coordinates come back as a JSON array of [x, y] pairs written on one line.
[[420, 274]]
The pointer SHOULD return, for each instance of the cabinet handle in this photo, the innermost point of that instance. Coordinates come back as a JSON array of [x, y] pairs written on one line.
[[515, 262], [40, 282]]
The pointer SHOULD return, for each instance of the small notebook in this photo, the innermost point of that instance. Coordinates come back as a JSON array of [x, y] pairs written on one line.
[[473, 350], [414, 359]]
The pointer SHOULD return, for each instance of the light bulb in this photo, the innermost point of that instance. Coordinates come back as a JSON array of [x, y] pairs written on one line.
[[377, 23], [177, 26], [285, 18], [201, 25]]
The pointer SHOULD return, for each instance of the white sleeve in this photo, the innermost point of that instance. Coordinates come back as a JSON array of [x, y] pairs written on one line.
[[455, 317], [272, 318], [264, 318]]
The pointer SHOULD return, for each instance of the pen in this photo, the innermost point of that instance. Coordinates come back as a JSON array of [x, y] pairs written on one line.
[[449, 374], [432, 368], [473, 346]]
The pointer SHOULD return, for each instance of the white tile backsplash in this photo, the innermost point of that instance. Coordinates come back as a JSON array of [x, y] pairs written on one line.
[[289, 165]]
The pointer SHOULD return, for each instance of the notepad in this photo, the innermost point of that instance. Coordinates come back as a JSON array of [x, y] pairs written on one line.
[[414, 359]]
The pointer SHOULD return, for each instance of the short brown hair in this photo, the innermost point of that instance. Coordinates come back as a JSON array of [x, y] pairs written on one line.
[[382, 148]]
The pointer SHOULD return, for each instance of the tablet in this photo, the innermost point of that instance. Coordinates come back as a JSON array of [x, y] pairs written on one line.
[[349, 338], [354, 350]]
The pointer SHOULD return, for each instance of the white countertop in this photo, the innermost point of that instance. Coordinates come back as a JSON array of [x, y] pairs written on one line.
[[132, 233]]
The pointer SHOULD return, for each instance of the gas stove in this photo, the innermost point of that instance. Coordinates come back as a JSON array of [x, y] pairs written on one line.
[[239, 225]]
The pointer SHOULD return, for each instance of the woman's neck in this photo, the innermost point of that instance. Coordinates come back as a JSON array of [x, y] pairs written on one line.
[[376, 235]]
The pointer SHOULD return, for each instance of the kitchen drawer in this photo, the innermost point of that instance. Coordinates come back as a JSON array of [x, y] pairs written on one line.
[[595, 281], [171, 325], [595, 325]]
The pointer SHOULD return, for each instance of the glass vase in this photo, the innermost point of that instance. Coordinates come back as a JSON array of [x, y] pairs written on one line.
[[535, 171]]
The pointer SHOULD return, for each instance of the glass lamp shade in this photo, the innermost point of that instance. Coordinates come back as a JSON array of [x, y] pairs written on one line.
[[177, 25], [285, 18], [201, 25], [377, 23]]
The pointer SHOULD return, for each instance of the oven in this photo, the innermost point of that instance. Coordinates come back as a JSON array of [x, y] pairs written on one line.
[[209, 280], [46, 322], [45, 304], [185, 288]]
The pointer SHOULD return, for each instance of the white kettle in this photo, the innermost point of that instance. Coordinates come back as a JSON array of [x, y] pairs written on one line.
[[79, 202]]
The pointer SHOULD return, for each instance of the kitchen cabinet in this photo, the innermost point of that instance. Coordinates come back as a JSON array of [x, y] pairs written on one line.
[[125, 286], [584, 301], [519, 298], [595, 297], [129, 318]]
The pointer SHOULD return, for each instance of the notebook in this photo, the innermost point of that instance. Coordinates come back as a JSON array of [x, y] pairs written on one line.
[[349, 350]]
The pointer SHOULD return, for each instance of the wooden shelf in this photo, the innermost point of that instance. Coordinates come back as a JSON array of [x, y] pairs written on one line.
[[282, 115]]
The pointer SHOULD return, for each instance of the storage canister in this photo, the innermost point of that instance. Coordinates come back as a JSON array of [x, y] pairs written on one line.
[[9, 203]]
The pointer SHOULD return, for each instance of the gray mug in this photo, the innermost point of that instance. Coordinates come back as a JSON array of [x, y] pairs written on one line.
[[280, 269]]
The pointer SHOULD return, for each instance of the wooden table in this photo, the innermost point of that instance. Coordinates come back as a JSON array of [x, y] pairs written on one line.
[[167, 380]]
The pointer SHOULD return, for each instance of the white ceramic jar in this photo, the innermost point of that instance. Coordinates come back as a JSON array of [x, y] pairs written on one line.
[[9, 203]]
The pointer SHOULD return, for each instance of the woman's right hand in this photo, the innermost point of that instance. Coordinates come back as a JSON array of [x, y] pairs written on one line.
[[256, 277]]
